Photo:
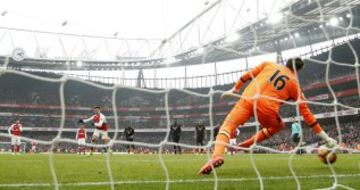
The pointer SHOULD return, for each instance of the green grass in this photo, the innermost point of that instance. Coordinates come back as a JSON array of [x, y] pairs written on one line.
[[144, 172]]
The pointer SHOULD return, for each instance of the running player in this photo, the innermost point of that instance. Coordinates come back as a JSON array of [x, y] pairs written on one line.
[[15, 132], [270, 84], [101, 130], [33, 146], [200, 135], [175, 133], [81, 137], [129, 136]]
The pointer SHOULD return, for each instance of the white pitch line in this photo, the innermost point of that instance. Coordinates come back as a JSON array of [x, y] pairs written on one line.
[[16, 185]]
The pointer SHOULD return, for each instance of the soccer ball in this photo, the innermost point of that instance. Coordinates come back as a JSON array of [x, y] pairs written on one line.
[[326, 155]]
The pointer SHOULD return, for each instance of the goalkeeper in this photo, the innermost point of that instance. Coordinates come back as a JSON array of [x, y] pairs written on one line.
[[276, 82]]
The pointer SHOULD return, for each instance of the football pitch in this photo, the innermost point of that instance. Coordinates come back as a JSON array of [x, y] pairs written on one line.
[[144, 172]]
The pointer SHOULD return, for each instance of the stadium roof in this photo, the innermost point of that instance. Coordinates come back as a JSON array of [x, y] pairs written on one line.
[[289, 26]]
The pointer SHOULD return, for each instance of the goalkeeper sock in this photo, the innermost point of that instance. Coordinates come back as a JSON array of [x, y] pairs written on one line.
[[316, 128], [221, 142], [222, 139], [261, 135]]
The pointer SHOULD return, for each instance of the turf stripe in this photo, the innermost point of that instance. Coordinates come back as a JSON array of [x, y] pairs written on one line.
[[16, 185]]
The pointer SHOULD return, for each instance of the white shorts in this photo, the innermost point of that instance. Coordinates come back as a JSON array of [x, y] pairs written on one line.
[[104, 134], [233, 142], [15, 140], [81, 141]]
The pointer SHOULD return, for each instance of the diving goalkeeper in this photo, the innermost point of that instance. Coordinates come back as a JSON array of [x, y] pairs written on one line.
[[270, 83]]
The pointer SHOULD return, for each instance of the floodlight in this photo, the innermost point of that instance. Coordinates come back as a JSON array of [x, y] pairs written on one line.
[[79, 63], [334, 21], [275, 18], [232, 38], [170, 60]]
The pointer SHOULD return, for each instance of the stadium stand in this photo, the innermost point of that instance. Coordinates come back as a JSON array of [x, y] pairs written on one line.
[[40, 109]]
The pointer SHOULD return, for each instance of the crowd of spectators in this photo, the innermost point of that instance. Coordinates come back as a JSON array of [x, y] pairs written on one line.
[[142, 109]]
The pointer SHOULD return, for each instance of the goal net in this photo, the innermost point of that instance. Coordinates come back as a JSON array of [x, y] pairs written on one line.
[[212, 51]]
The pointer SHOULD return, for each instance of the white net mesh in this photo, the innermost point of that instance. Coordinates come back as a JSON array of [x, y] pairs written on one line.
[[322, 20]]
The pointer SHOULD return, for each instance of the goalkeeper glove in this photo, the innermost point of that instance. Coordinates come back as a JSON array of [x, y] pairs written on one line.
[[329, 142], [81, 121], [229, 93]]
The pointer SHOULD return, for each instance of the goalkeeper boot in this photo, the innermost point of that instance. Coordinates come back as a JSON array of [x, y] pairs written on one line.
[[213, 163]]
